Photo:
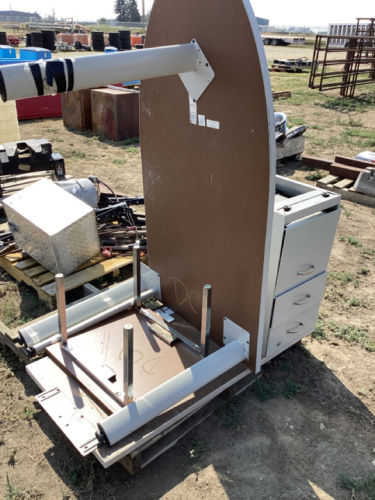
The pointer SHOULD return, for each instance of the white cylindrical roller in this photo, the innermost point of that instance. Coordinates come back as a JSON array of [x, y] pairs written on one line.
[[87, 323], [19, 81], [149, 406], [100, 303]]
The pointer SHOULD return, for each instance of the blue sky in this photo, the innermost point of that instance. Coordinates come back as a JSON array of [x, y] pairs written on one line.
[[280, 12]]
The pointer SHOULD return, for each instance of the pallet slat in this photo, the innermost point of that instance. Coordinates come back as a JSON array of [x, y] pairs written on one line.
[[344, 183], [35, 271], [89, 274], [26, 264], [347, 193], [330, 179], [17, 265], [48, 277]]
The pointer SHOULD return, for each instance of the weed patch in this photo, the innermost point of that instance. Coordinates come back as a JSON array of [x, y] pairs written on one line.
[[12, 458], [315, 176], [353, 241], [319, 332], [343, 278], [292, 388], [352, 334], [196, 450], [265, 390], [231, 413], [364, 485]]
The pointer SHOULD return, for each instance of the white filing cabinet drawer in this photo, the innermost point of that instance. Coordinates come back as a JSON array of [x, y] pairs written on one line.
[[292, 330], [297, 300], [306, 249]]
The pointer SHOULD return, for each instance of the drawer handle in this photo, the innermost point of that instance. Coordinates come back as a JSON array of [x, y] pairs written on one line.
[[303, 301], [308, 271], [297, 329]]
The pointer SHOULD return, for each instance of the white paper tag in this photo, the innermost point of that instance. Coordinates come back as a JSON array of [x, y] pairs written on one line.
[[193, 111], [213, 124], [164, 315], [201, 120]]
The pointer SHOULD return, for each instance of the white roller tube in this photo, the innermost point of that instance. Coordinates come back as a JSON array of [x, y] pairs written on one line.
[[121, 294], [19, 81], [149, 406], [87, 323]]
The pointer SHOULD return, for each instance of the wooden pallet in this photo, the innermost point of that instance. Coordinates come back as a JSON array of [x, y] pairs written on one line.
[[10, 184], [285, 69], [33, 274], [286, 94], [344, 187]]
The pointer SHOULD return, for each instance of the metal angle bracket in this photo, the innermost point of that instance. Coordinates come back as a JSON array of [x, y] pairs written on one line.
[[235, 332], [79, 431], [197, 81]]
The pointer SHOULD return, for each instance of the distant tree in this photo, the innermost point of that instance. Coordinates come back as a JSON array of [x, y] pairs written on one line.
[[127, 10], [103, 20]]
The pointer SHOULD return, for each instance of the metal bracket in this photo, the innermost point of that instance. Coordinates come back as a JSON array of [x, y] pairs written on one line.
[[197, 81], [71, 421], [235, 332], [152, 280]]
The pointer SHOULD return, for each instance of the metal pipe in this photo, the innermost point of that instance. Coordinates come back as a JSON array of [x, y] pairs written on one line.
[[19, 81], [160, 399], [87, 323], [61, 308], [206, 320], [137, 275], [127, 359]]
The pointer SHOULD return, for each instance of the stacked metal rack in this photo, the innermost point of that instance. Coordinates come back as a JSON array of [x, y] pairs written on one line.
[[357, 67]]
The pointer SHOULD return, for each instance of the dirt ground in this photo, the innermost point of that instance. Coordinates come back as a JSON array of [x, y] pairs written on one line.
[[310, 419]]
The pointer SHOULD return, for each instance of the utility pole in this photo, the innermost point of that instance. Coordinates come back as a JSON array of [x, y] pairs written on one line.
[[143, 13]]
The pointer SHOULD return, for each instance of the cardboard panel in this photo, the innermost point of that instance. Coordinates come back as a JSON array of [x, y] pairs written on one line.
[[206, 189]]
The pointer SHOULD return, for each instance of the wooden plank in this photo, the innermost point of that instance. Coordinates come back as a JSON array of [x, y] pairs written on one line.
[[281, 95], [93, 272], [345, 171], [353, 162], [26, 264], [35, 271], [344, 183], [330, 179], [313, 162], [20, 276], [13, 258], [31, 175], [5, 339], [47, 278]]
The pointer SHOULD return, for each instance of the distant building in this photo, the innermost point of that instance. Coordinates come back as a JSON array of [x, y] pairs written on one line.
[[262, 22], [17, 16]]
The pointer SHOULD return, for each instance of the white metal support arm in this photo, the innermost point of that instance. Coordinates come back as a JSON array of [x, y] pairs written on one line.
[[52, 76]]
